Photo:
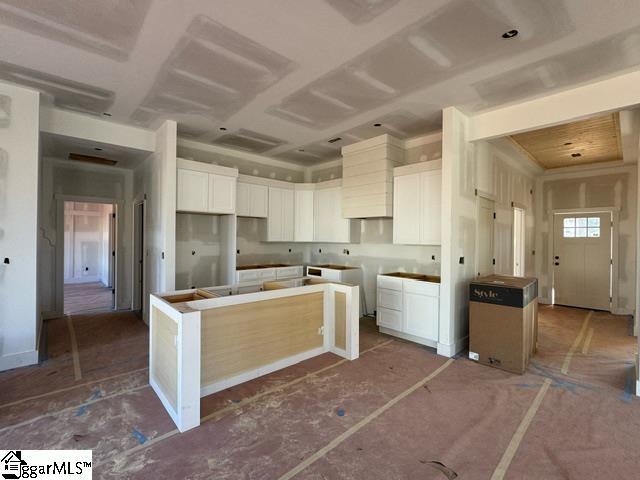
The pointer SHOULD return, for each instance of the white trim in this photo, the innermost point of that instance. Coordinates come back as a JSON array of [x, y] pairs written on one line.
[[384, 140], [185, 164], [21, 359], [268, 182], [412, 338], [164, 400], [258, 372], [638, 388], [427, 139], [252, 157], [591, 170], [419, 167], [451, 350]]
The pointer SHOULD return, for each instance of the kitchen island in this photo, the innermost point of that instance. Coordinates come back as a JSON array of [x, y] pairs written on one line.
[[206, 340]]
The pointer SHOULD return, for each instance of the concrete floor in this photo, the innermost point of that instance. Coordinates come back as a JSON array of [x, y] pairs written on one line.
[[399, 420], [85, 297]]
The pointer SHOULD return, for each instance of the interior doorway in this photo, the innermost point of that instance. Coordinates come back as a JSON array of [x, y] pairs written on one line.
[[518, 242], [89, 256], [486, 220], [583, 259]]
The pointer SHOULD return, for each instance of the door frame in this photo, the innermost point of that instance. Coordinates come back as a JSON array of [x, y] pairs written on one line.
[[59, 249], [614, 211], [519, 206], [139, 202], [491, 198]]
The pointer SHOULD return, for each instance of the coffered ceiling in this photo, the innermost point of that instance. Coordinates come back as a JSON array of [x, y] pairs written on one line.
[[286, 78]]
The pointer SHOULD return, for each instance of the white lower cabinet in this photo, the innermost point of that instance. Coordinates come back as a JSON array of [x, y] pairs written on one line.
[[409, 308]]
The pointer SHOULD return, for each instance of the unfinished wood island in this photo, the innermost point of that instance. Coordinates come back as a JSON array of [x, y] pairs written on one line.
[[205, 340]]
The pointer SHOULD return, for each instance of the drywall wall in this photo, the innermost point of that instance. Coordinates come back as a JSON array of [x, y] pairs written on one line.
[[19, 175], [86, 242], [377, 254], [602, 187], [155, 181], [64, 180], [253, 250]]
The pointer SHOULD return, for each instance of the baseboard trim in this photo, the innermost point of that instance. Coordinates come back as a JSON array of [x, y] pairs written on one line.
[[15, 360], [412, 338], [451, 350]]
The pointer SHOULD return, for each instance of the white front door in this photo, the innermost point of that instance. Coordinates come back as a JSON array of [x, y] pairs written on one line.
[[582, 259]]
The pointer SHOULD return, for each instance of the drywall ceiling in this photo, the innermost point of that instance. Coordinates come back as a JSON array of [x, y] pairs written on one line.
[[59, 147], [284, 77], [593, 140]]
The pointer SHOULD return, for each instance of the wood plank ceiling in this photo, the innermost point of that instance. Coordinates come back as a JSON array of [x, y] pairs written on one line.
[[593, 140]]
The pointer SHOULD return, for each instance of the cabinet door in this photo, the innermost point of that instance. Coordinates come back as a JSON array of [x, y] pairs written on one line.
[[287, 215], [322, 215], [340, 231], [406, 214], [243, 206], [421, 315], [430, 202], [193, 188], [222, 194], [258, 200], [304, 218], [389, 318], [274, 218]]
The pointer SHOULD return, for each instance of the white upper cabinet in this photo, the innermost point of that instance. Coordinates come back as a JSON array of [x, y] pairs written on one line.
[[252, 200], [417, 204], [222, 194], [205, 188], [304, 206], [330, 225], [193, 191], [280, 217]]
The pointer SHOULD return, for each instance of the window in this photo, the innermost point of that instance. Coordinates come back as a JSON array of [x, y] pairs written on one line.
[[581, 227]]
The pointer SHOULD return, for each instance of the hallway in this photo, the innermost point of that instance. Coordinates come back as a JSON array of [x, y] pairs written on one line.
[[329, 418], [86, 297]]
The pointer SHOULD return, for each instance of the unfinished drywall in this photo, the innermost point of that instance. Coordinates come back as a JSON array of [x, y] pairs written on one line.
[[198, 250], [64, 180], [605, 187], [253, 250], [19, 176], [155, 181], [377, 254]]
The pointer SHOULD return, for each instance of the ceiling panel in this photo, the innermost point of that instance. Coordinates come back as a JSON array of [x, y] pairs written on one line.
[[249, 141], [588, 141], [105, 27], [361, 11]]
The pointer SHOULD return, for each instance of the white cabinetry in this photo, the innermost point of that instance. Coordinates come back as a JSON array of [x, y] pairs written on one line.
[[252, 200], [281, 215], [304, 212], [409, 309], [417, 203], [330, 226], [205, 188]]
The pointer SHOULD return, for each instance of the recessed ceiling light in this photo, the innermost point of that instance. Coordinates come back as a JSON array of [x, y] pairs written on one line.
[[223, 128], [568, 143], [510, 34], [575, 155], [97, 149], [106, 114], [377, 124], [301, 149], [334, 140]]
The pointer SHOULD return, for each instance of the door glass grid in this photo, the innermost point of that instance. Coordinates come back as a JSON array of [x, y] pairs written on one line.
[[581, 227]]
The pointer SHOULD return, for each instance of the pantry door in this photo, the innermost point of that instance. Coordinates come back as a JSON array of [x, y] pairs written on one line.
[[582, 260]]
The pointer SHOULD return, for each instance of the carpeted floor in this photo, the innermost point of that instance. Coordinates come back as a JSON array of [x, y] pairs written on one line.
[[85, 297], [372, 418]]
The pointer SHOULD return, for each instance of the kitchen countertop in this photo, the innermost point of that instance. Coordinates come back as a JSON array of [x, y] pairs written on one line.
[[415, 276]]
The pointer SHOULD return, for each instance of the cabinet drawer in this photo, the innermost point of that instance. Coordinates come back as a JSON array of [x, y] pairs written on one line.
[[389, 299], [389, 318], [288, 272], [247, 276], [390, 283], [422, 288]]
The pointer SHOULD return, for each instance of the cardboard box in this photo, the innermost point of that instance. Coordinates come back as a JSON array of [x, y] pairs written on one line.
[[503, 321]]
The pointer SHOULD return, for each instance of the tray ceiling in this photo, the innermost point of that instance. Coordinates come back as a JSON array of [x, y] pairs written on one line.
[[285, 81]]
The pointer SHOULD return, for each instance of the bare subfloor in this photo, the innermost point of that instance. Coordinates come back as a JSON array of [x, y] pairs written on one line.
[[83, 297], [327, 418]]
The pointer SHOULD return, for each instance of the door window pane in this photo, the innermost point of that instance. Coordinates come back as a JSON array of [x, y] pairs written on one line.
[[594, 221], [569, 222], [569, 232], [581, 232], [581, 222], [593, 232]]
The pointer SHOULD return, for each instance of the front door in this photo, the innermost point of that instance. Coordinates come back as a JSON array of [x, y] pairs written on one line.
[[582, 260], [486, 220]]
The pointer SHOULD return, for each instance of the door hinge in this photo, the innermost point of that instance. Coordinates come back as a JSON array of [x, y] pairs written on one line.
[[113, 254], [494, 215], [113, 215], [494, 261], [612, 261], [113, 290]]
